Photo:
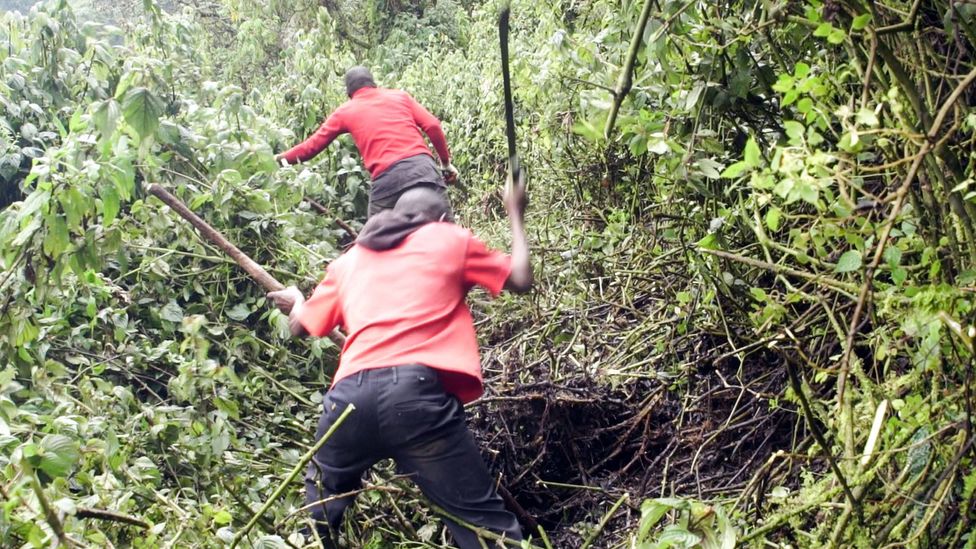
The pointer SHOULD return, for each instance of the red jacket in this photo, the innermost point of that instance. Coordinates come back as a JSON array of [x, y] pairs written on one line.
[[385, 124]]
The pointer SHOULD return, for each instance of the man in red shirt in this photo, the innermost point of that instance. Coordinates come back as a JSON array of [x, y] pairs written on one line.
[[386, 125], [410, 360]]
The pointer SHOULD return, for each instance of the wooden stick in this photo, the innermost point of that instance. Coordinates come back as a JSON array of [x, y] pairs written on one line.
[[103, 514], [256, 271], [325, 211]]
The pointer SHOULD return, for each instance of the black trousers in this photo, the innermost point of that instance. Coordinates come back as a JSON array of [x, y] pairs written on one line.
[[402, 412]]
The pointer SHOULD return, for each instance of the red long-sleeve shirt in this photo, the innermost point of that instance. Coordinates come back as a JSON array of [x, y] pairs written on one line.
[[385, 124], [406, 305]]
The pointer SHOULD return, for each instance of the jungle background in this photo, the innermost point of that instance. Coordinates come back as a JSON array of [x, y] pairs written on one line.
[[752, 225]]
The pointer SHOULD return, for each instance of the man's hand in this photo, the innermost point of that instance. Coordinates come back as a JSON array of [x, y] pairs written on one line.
[[450, 174], [287, 299], [514, 196], [280, 160], [520, 278]]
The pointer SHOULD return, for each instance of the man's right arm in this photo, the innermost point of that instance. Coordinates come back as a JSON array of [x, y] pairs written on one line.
[[290, 301], [520, 279], [306, 150], [317, 315]]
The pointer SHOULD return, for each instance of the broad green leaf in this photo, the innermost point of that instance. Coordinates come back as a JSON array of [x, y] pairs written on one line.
[[752, 153], [58, 454], [678, 536], [892, 256], [142, 110], [710, 242], [861, 21], [651, 513], [27, 232], [110, 204], [849, 261], [238, 312], [106, 117], [171, 312], [773, 216], [794, 130], [222, 517], [783, 84], [898, 275], [57, 239], [823, 30], [734, 170], [867, 117], [709, 168]]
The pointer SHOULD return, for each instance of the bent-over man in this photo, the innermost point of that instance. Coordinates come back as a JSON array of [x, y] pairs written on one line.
[[386, 126], [410, 360]]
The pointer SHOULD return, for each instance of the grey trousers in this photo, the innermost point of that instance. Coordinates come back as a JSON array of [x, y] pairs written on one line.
[[377, 205], [403, 413]]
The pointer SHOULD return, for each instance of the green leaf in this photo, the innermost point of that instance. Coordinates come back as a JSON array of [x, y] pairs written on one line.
[[823, 30], [850, 261], [861, 21], [58, 454], [752, 153], [892, 256], [678, 536], [110, 204], [773, 216], [898, 275], [794, 130], [57, 239], [710, 242], [239, 312], [758, 294], [867, 117], [709, 168], [735, 170], [783, 84], [142, 110], [171, 312], [222, 517], [651, 513], [106, 117]]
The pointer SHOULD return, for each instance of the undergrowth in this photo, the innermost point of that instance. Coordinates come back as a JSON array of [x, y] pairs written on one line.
[[753, 317]]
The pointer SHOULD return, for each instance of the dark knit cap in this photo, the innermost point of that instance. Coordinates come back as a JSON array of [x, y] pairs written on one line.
[[358, 77]]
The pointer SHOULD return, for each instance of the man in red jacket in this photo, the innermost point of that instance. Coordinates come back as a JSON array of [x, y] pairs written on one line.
[[386, 125], [410, 360]]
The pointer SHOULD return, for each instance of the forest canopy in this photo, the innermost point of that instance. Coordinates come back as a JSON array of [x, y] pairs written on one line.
[[752, 226]]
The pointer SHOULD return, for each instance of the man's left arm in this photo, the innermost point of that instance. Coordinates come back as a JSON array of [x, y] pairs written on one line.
[[432, 127]]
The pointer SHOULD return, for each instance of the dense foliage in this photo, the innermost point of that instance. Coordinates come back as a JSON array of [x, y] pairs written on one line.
[[754, 314]]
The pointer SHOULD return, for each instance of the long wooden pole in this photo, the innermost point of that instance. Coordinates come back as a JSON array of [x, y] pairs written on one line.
[[252, 268]]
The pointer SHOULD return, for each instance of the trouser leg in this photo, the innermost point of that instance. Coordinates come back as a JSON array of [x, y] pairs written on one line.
[[443, 459], [377, 205], [338, 466]]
